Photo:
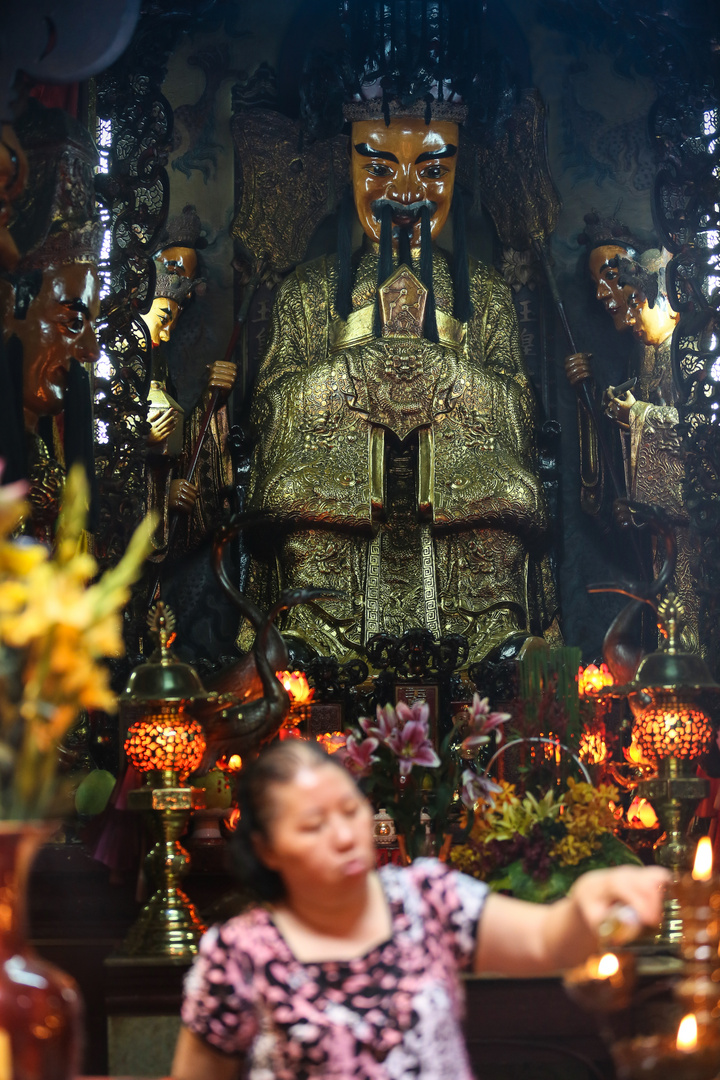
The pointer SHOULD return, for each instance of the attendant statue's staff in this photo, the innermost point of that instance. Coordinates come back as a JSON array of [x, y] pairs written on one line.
[[208, 415]]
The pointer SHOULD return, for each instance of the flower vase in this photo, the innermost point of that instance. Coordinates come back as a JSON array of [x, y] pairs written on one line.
[[40, 1006]]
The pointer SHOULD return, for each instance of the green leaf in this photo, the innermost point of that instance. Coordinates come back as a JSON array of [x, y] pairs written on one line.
[[525, 887]]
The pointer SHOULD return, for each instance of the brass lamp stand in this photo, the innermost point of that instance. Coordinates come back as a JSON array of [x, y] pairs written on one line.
[[166, 744], [674, 793], [169, 924], [669, 698]]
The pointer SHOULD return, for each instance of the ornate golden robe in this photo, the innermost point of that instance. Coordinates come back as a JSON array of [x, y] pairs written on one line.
[[401, 474]]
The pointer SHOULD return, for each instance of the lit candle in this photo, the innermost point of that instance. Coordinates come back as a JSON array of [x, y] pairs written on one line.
[[602, 983], [608, 965], [699, 936], [694, 890], [641, 814], [693, 1054], [687, 1036], [703, 865]]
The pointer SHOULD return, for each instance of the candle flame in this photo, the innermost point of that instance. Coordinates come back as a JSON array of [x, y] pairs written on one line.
[[332, 741], [687, 1035], [641, 813], [592, 679], [296, 684], [608, 965], [702, 870]]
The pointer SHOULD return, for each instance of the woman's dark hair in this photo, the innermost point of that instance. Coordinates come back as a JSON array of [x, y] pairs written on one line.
[[278, 764]]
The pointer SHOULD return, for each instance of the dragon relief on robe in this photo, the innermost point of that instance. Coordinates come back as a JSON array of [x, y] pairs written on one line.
[[395, 470]]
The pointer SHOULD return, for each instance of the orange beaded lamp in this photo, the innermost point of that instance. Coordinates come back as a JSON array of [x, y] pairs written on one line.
[[166, 744], [668, 728], [162, 737]]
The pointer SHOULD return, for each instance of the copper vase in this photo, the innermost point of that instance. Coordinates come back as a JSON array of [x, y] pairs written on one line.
[[40, 1006]]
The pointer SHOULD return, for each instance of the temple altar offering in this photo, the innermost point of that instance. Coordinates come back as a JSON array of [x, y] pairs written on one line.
[[692, 1054], [603, 983], [699, 899]]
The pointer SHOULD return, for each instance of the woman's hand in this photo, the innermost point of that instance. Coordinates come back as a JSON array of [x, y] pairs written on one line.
[[641, 888]]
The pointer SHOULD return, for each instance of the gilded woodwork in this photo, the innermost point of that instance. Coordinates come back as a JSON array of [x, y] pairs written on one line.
[[286, 191]]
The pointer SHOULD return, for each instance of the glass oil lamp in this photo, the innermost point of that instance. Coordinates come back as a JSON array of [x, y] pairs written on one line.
[[603, 983], [691, 1053], [166, 744]]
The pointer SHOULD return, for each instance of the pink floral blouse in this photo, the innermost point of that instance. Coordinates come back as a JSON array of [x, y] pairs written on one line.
[[393, 1013]]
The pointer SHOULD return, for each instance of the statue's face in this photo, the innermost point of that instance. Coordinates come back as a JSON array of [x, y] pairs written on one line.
[[178, 260], [13, 174], [651, 325], [59, 324], [608, 290], [161, 318], [408, 163]]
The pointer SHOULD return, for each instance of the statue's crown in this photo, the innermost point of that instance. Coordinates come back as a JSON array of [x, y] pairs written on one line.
[[411, 57]]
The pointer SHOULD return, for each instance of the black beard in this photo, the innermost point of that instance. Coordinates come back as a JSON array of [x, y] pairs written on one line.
[[404, 215]]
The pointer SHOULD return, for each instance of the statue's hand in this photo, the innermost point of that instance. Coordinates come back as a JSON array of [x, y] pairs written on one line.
[[183, 496], [618, 407], [222, 377], [163, 424]]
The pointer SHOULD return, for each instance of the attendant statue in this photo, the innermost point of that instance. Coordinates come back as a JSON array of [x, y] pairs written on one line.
[[173, 436], [49, 306], [647, 416], [393, 417]]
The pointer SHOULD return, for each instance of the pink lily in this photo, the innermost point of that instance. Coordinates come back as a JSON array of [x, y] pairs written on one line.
[[359, 756], [385, 723], [412, 747], [475, 788], [419, 710], [482, 723]]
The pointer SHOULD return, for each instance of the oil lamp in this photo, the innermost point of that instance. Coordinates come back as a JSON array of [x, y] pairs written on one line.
[[699, 897], [301, 696], [693, 1053], [166, 744], [603, 983], [669, 699]]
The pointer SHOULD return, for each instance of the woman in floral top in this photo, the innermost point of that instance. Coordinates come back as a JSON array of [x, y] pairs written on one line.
[[351, 973]]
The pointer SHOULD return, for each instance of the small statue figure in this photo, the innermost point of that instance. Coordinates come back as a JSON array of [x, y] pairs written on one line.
[[179, 243], [49, 306], [647, 418], [171, 439], [608, 241]]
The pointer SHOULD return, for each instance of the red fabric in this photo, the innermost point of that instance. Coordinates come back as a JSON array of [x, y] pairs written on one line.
[[57, 96], [385, 855], [709, 808]]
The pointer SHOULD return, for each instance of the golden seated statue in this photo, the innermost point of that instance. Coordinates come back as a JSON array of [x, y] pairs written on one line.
[[394, 426]]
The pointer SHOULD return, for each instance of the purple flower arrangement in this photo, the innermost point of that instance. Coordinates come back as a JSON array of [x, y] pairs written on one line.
[[394, 759]]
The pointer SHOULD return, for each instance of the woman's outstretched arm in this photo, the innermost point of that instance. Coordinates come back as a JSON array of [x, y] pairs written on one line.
[[518, 938], [196, 1060]]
